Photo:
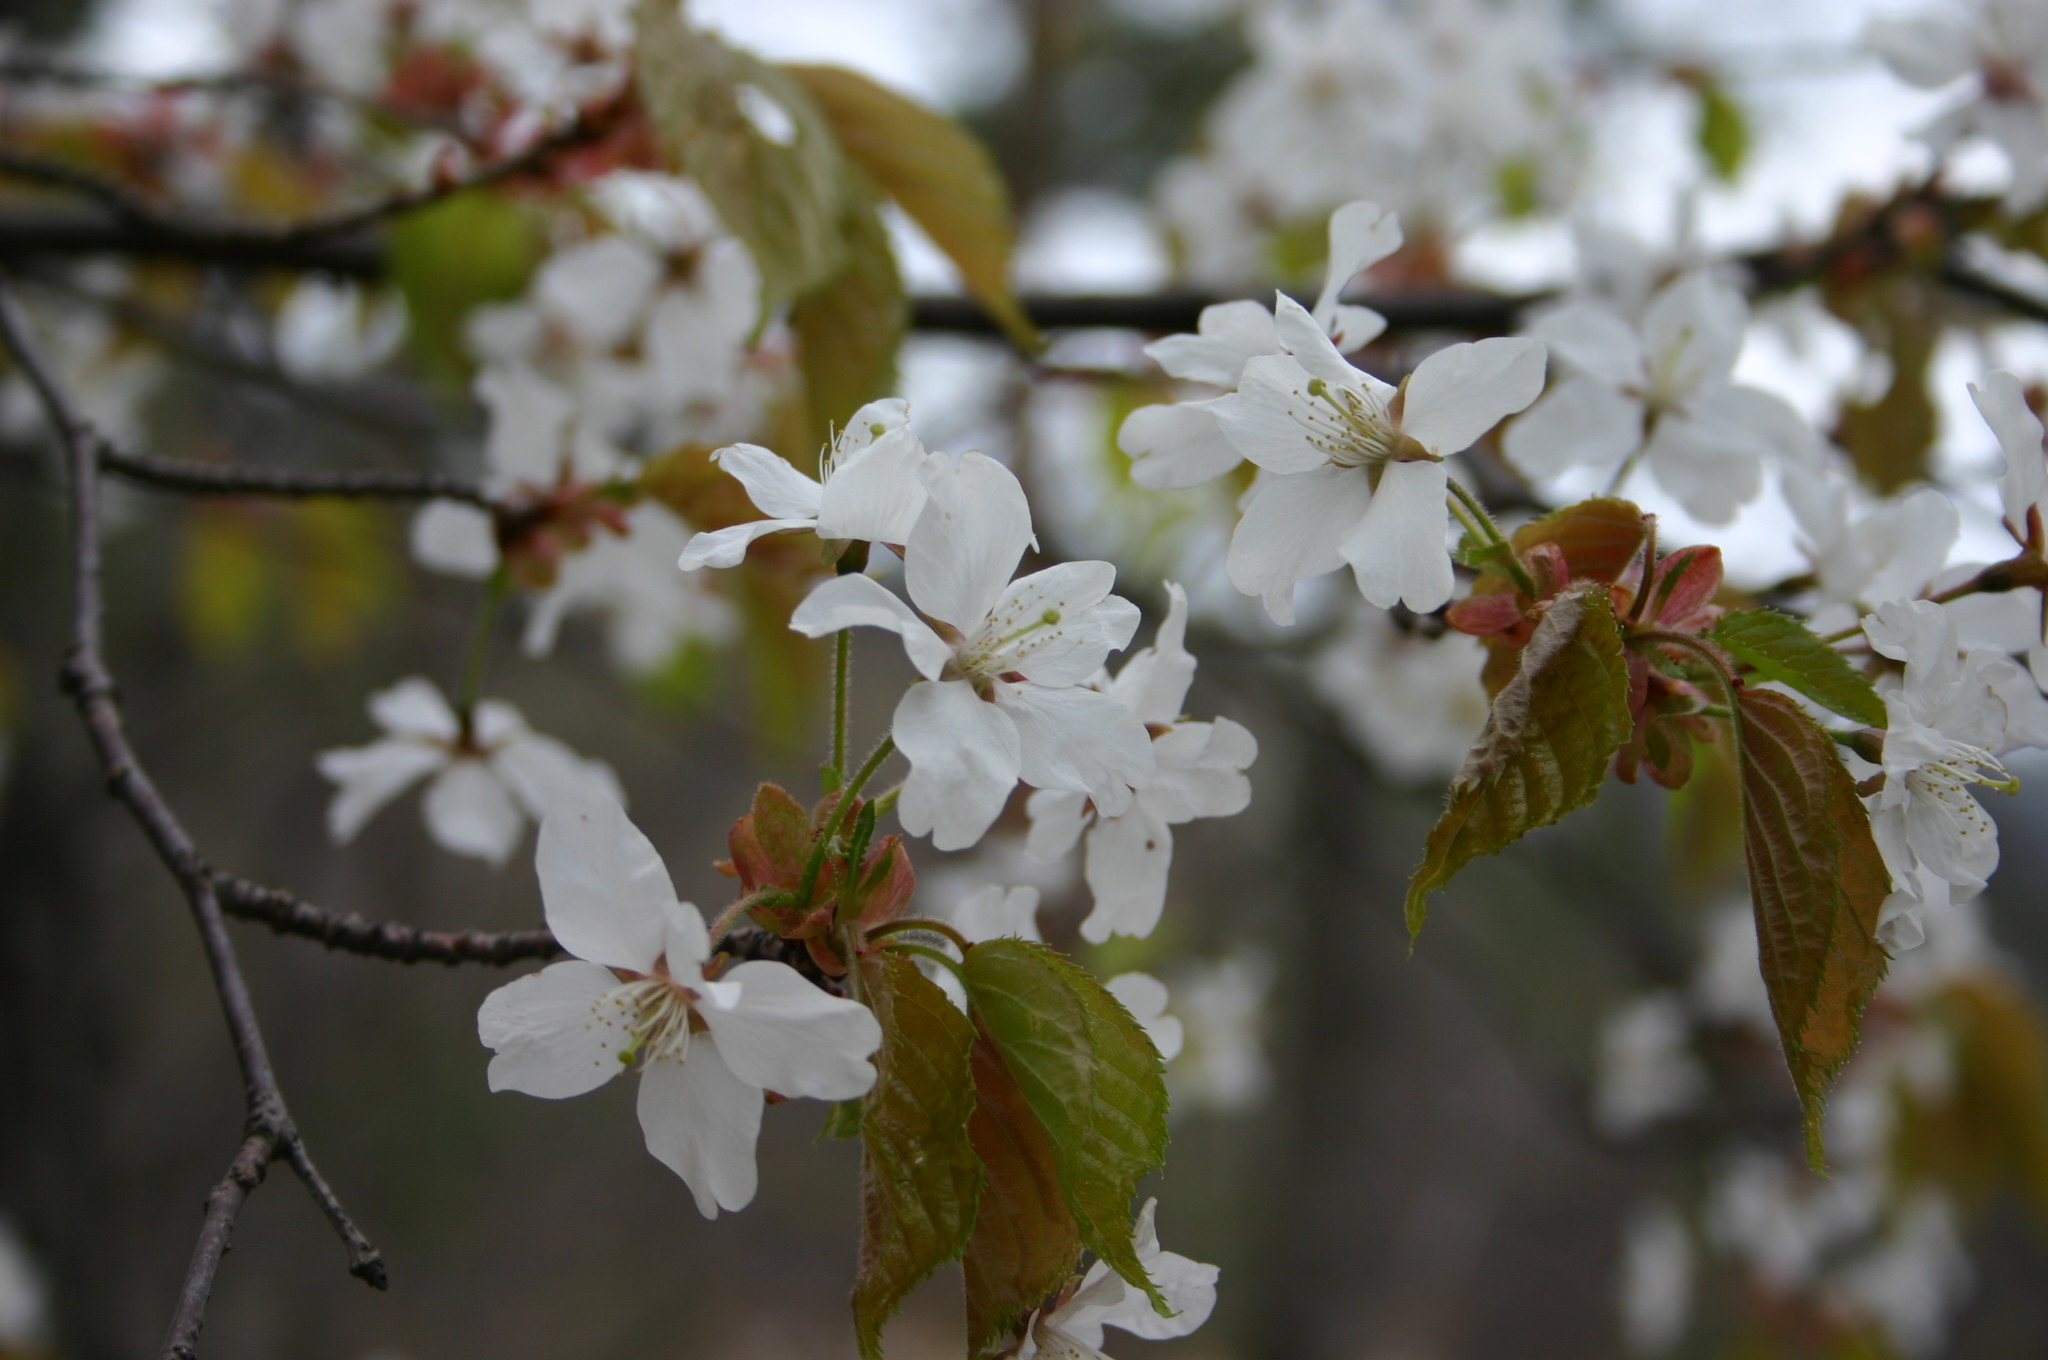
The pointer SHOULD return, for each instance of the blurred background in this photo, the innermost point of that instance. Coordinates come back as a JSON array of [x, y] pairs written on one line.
[[1475, 1151]]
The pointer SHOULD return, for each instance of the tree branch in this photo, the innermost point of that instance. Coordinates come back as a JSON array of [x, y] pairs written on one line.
[[236, 479], [290, 915], [269, 1131]]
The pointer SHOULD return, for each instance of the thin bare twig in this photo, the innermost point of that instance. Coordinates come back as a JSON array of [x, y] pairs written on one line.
[[269, 1131], [290, 915], [239, 479]]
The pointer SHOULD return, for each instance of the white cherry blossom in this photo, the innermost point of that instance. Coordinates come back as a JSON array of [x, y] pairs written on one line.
[[1198, 772], [487, 780], [2023, 485], [1866, 553], [1004, 662], [994, 912], [1179, 444], [1946, 725], [1658, 393], [868, 488], [1072, 1328], [1356, 465], [636, 994], [630, 583], [2003, 44]]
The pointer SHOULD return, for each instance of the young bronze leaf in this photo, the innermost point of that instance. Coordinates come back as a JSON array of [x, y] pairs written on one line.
[[848, 330], [1779, 647], [938, 173], [1025, 1240], [754, 141], [1092, 1077], [1816, 882], [1545, 747], [919, 1178], [1599, 538]]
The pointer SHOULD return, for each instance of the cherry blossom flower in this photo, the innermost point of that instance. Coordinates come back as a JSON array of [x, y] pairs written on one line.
[[994, 912], [2004, 45], [1003, 695], [329, 330], [488, 777], [630, 582], [1198, 772], [1646, 1071], [2023, 485], [638, 993], [1357, 465], [1222, 1064], [1658, 393], [1179, 444], [1411, 702], [1144, 996], [868, 488], [1072, 1328], [1869, 553], [1946, 724]]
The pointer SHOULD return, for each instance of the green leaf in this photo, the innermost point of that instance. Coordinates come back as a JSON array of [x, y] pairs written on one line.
[[450, 257], [937, 172], [755, 142], [849, 330], [919, 1175], [1722, 130], [1092, 1077], [1545, 747], [1025, 1240], [842, 1120], [1816, 881], [1781, 648]]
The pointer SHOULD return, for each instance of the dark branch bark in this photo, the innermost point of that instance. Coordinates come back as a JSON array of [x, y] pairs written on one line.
[[290, 915], [238, 479], [269, 1128]]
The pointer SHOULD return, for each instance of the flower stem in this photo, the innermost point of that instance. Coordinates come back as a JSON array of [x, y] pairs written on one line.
[[479, 657], [840, 813], [936, 956], [842, 666], [1705, 652], [1471, 512], [727, 919], [925, 923]]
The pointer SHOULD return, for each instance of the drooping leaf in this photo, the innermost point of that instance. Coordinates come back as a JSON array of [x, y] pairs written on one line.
[[1025, 1240], [754, 141], [937, 172], [920, 1179], [1816, 882], [1780, 647], [849, 329], [1545, 747], [1598, 537], [1090, 1074]]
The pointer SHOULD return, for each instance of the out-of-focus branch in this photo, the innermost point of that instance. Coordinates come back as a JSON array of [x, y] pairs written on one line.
[[169, 231], [269, 1132], [238, 479], [289, 915]]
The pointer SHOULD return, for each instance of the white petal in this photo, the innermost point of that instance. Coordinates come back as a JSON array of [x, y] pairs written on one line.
[[604, 887], [1128, 858], [701, 1122], [553, 1032], [1928, 50], [1593, 340], [2003, 405], [788, 1036], [964, 757], [414, 708], [1693, 332], [1144, 996], [1190, 1290], [529, 418], [728, 547], [775, 487], [994, 912], [599, 288], [1293, 528], [470, 811], [1397, 551], [1578, 423], [1310, 344], [371, 776], [855, 601], [455, 538], [1154, 683], [1353, 327], [974, 527], [542, 772], [1073, 623], [1272, 420], [1231, 333], [1201, 771], [1361, 235], [1460, 392], [1058, 817], [1710, 475], [876, 494], [1176, 444], [1079, 740]]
